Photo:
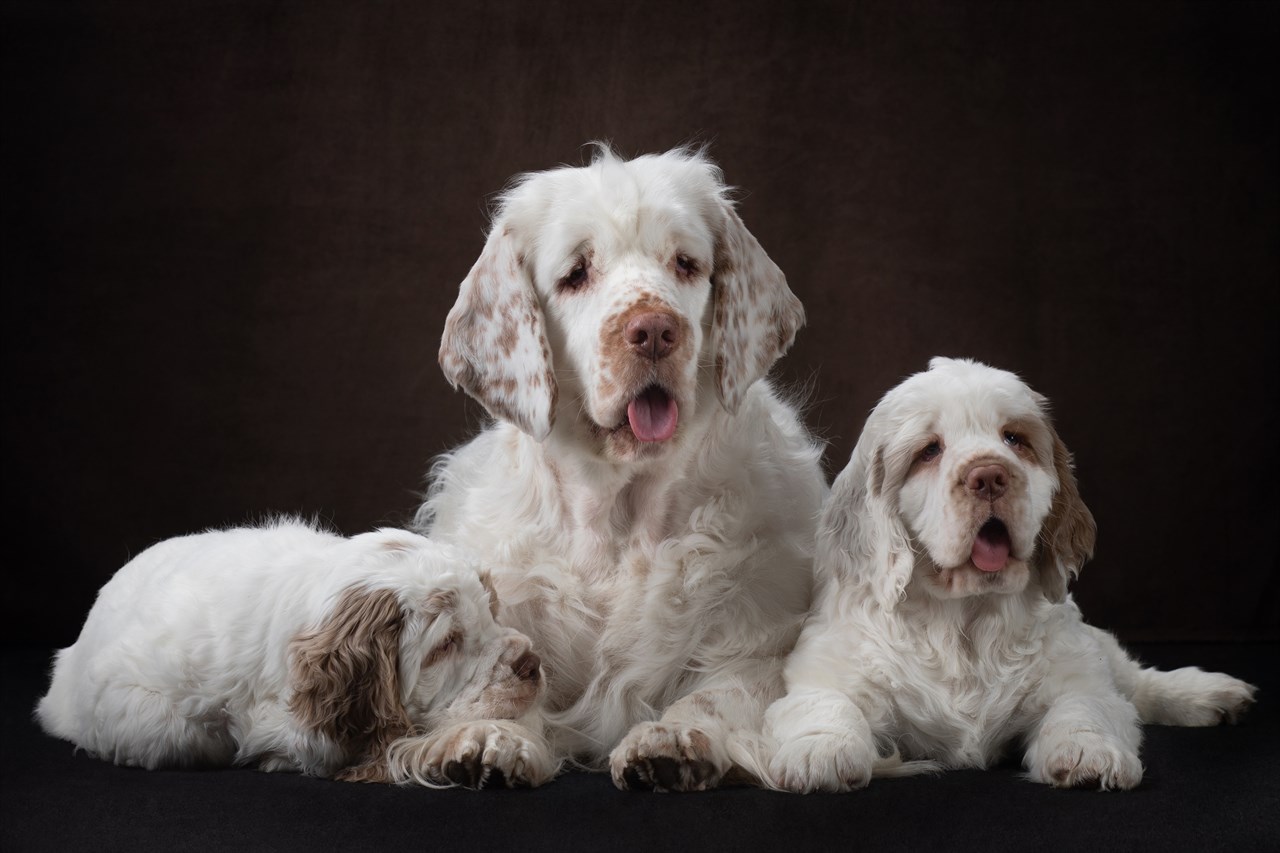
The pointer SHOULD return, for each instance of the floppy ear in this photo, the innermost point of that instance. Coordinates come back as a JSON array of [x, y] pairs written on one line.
[[860, 537], [346, 678], [495, 343], [1068, 534], [756, 314]]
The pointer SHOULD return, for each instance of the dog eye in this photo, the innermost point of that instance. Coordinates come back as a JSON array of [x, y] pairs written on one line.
[[686, 265], [450, 645], [1013, 439], [931, 451], [576, 277]]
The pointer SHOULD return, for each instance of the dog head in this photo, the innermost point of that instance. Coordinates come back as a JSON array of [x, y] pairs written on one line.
[[960, 483], [413, 647], [608, 301]]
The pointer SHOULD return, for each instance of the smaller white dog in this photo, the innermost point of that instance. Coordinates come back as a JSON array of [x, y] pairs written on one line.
[[943, 631], [294, 649]]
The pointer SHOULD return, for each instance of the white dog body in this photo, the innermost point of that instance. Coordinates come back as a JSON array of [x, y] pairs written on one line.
[[290, 648], [942, 630], [659, 542]]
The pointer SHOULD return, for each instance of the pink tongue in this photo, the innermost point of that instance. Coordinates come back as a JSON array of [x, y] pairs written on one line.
[[990, 552], [653, 415]]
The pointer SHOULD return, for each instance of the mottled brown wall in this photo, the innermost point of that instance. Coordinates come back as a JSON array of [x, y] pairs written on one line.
[[232, 232]]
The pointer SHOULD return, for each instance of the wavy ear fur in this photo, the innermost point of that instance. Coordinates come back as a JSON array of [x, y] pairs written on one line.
[[861, 540], [495, 343], [345, 673], [1068, 535], [756, 314]]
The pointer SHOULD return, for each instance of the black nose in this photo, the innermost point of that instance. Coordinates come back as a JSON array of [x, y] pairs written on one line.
[[528, 667]]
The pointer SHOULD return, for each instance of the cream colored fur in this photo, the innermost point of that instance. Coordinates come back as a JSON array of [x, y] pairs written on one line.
[[914, 652], [288, 648], [662, 581]]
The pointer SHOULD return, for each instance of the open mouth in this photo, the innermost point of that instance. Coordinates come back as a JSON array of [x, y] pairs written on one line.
[[653, 415], [991, 546]]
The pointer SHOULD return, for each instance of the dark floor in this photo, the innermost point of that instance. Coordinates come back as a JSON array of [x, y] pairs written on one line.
[[1205, 789]]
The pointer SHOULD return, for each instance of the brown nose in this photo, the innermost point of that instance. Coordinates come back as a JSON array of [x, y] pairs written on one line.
[[652, 334], [987, 481], [527, 667]]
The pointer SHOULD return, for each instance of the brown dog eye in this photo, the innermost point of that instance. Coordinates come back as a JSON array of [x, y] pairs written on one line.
[[576, 277], [686, 265], [1013, 439], [448, 646], [931, 451]]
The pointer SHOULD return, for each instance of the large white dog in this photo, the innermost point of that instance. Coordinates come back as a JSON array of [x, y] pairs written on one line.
[[943, 630], [652, 496], [289, 648]]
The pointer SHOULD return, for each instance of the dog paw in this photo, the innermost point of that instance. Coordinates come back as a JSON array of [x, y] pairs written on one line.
[[666, 757], [491, 754], [822, 762], [1089, 760]]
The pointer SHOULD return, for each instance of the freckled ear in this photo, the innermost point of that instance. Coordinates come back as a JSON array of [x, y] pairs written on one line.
[[495, 344], [1069, 533], [860, 537], [756, 314], [345, 673]]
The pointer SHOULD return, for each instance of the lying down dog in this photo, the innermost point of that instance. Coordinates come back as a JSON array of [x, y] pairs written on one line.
[[942, 630], [289, 648]]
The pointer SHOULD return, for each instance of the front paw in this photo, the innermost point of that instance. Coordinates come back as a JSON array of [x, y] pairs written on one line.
[[1084, 759], [667, 757], [822, 762], [490, 754]]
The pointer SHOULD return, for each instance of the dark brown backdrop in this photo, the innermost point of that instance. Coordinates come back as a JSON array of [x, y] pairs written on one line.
[[232, 231]]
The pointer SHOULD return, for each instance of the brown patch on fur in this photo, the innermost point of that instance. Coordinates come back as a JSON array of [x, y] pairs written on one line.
[[441, 601], [875, 479], [624, 371], [345, 675], [705, 704], [699, 743], [1069, 533], [496, 315], [486, 581], [614, 348], [640, 566], [756, 315]]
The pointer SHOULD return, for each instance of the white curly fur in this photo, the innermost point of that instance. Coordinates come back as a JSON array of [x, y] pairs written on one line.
[[289, 648], [942, 636], [662, 566]]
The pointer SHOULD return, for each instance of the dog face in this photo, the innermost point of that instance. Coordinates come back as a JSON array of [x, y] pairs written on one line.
[[609, 301], [960, 481], [469, 666], [409, 657]]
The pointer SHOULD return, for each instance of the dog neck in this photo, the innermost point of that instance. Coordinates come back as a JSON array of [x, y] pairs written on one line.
[[599, 498]]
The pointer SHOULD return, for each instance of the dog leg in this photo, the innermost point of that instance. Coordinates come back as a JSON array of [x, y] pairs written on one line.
[[1086, 741]]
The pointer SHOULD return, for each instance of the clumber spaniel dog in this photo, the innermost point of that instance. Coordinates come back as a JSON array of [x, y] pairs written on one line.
[[652, 496], [943, 630], [294, 649]]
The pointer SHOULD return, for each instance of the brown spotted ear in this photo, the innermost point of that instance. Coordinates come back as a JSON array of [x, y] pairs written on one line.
[[756, 314], [346, 682], [1068, 535], [495, 344]]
